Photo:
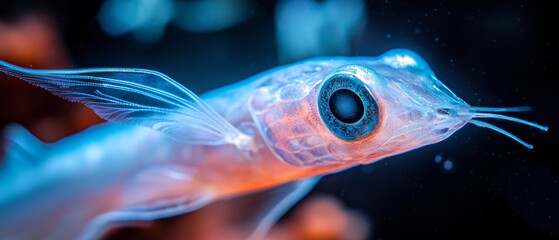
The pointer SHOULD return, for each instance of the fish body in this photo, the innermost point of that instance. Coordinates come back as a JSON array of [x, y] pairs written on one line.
[[166, 151]]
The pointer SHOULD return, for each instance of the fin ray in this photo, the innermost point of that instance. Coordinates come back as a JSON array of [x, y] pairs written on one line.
[[285, 197], [137, 97], [102, 223]]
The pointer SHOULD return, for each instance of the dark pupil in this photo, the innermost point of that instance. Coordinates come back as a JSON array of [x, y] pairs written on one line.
[[346, 106]]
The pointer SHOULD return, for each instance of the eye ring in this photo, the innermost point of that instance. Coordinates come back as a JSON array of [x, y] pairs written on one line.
[[347, 108]]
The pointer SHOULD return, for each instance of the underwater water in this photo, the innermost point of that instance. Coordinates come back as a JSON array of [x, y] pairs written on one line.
[[475, 184]]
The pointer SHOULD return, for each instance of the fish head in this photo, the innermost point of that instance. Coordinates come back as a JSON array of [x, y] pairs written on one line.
[[350, 110]]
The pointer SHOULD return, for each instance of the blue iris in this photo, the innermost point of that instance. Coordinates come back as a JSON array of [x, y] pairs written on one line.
[[347, 108]]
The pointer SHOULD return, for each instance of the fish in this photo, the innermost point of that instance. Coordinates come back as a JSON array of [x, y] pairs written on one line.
[[166, 151]]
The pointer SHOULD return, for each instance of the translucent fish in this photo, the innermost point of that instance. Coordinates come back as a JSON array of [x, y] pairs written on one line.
[[167, 151]]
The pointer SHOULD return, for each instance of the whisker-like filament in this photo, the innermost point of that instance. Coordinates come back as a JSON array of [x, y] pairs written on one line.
[[501, 109], [512, 119], [500, 130], [491, 112]]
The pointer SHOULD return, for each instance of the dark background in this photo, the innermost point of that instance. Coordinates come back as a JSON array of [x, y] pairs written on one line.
[[490, 53]]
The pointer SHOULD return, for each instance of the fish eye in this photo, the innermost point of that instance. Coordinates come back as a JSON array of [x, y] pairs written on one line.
[[347, 108]]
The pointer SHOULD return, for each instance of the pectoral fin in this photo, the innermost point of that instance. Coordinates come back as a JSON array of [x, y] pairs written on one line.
[[279, 200], [103, 223], [155, 192], [251, 217]]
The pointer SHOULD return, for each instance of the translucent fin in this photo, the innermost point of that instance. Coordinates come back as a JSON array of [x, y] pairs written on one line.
[[249, 216], [103, 223], [143, 190], [138, 97], [500, 130], [276, 202]]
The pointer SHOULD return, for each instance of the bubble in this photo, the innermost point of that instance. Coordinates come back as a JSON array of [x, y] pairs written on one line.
[[448, 165], [439, 158]]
